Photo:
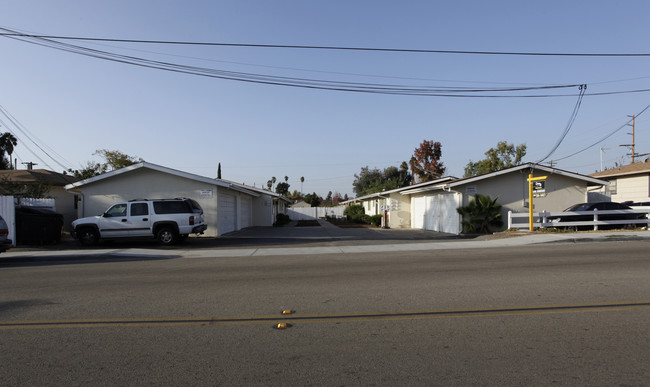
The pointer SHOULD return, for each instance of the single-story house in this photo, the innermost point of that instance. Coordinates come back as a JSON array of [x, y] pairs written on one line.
[[626, 183], [396, 205], [227, 206], [434, 207], [13, 182]]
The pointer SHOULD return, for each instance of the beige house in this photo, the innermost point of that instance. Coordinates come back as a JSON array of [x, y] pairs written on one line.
[[626, 183], [434, 207], [227, 206], [396, 205], [65, 202]]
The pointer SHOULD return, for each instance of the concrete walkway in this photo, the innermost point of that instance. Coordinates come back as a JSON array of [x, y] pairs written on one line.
[[334, 240]]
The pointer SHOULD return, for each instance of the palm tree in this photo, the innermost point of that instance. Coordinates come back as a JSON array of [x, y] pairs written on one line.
[[480, 214], [7, 143], [302, 180]]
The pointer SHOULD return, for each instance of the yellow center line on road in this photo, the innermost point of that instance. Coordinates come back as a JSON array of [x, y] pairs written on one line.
[[295, 318]]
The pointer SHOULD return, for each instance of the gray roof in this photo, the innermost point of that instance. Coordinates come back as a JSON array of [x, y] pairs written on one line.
[[531, 166], [217, 182]]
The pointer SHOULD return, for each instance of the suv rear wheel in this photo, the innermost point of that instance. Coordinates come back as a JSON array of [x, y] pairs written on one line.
[[167, 236]]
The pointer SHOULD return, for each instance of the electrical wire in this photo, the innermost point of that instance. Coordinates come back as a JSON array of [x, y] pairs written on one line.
[[11, 33], [21, 128], [574, 115], [391, 89], [605, 137]]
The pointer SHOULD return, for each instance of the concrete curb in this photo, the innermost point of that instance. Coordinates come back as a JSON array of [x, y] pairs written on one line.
[[137, 253]]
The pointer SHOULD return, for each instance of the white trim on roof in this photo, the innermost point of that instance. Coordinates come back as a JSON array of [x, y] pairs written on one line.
[[537, 167], [410, 187], [175, 172]]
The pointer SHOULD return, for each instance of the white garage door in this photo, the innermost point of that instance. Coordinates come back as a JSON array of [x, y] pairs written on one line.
[[246, 212], [418, 210], [437, 213], [226, 213]]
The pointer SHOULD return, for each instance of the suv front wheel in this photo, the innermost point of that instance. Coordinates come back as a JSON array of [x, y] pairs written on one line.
[[167, 236], [88, 236]]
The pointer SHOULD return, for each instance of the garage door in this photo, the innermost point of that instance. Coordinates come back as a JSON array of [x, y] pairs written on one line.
[[437, 213], [418, 209], [246, 212], [226, 213]]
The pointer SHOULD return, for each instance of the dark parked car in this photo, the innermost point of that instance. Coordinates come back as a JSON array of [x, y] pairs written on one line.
[[5, 242], [600, 206]]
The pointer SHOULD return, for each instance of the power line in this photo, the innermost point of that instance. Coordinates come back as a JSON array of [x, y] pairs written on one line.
[[313, 47], [372, 88], [605, 137], [572, 119], [319, 84], [24, 131]]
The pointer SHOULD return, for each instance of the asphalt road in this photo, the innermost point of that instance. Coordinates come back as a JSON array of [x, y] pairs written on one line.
[[568, 314]]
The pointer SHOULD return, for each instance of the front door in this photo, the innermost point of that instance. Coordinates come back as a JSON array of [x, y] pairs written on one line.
[[114, 223]]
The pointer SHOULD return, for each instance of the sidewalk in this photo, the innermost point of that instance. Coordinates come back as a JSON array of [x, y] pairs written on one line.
[[143, 253]]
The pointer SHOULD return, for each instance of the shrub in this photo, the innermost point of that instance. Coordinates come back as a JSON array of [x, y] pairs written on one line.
[[281, 220], [375, 220], [480, 214], [354, 213]]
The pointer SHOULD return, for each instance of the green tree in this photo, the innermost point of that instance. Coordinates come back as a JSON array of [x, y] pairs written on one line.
[[219, 172], [503, 156], [7, 144], [370, 181], [296, 196], [313, 199], [113, 160], [90, 170], [425, 163], [282, 188], [116, 159], [480, 214]]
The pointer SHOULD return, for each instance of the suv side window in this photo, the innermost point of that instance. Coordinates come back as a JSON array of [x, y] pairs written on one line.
[[171, 207], [139, 209], [117, 210]]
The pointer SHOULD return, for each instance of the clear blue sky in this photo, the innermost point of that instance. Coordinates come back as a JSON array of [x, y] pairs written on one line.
[[72, 105]]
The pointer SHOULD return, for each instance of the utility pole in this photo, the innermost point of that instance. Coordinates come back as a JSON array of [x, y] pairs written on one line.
[[631, 146], [601, 157]]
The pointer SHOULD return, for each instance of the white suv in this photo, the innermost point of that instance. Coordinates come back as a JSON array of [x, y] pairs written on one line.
[[167, 220]]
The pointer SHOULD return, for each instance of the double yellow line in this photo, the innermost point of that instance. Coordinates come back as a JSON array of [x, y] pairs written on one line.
[[292, 319]]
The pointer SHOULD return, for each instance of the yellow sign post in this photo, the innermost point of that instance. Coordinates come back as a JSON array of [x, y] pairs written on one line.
[[531, 179]]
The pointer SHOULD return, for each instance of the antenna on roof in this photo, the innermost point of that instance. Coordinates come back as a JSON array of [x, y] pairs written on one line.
[[30, 165]]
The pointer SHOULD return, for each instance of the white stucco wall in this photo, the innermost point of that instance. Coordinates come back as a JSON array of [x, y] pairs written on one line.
[[632, 188], [148, 184], [511, 192]]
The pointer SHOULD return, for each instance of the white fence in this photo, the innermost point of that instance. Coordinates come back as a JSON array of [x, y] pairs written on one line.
[[308, 213], [540, 219], [49, 204], [8, 212]]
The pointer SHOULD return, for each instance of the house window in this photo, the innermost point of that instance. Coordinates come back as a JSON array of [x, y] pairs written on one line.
[[611, 188]]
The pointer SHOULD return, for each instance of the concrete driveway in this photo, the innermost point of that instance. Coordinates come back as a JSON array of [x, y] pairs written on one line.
[[329, 235]]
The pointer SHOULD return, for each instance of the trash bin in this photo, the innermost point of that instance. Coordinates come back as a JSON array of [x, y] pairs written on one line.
[[38, 226]]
